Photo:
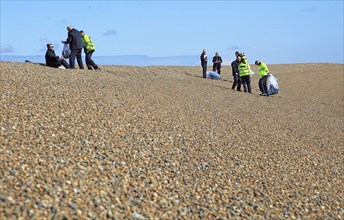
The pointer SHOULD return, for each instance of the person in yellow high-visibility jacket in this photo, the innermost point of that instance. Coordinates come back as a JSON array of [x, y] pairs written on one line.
[[89, 48], [264, 74], [244, 73]]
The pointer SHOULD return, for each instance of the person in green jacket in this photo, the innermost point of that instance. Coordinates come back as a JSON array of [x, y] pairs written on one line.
[[244, 73], [264, 74], [89, 48]]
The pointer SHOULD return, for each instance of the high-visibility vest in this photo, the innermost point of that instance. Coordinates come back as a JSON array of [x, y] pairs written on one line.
[[263, 70], [88, 43], [246, 61], [243, 69]]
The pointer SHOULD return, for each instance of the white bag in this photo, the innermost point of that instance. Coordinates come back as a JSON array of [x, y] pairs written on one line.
[[251, 73], [66, 51], [272, 85], [213, 75]]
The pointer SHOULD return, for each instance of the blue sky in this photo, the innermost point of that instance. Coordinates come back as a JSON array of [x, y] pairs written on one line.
[[274, 31]]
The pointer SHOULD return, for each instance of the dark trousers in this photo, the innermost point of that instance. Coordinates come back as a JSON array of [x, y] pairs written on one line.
[[237, 82], [204, 67], [77, 54], [246, 82], [262, 84], [59, 63], [89, 62], [217, 68]]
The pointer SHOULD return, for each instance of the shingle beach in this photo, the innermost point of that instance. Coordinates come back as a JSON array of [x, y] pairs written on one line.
[[161, 142]]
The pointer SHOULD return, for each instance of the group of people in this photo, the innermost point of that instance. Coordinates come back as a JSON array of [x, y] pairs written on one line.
[[241, 71], [77, 41], [217, 60]]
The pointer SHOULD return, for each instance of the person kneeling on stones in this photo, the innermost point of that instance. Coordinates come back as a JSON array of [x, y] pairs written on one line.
[[52, 60]]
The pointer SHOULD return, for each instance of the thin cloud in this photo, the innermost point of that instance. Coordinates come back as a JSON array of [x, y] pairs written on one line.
[[110, 32], [6, 48], [234, 48], [314, 8]]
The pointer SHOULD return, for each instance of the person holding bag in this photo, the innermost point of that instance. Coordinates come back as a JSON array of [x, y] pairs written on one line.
[[75, 43], [89, 48]]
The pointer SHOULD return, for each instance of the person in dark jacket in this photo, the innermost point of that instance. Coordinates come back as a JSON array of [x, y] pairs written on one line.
[[235, 72], [217, 60], [52, 60], [75, 44], [204, 61]]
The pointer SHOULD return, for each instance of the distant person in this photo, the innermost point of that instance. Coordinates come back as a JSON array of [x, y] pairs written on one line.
[[243, 56], [264, 74], [89, 48], [75, 44], [52, 60], [244, 73], [204, 61], [235, 72], [217, 60]]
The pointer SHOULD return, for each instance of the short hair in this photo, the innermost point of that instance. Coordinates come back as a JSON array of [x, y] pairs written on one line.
[[70, 27]]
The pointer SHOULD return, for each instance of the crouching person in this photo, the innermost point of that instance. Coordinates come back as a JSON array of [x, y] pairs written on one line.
[[52, 60], [264, 74]]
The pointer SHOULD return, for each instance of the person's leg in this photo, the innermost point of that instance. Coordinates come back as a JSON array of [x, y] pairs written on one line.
[[204, 66], [260, 84], [219, 70], [91, 62], [65, 64], [244, 83], [235, 78], [88, 58], [248, 81], [79, 59], [72, 59], [239, 84], [265, 88]]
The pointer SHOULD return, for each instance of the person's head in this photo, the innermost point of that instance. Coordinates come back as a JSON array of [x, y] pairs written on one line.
[[217, 54], [204, 51], [82, 33], [69, 28], [239, 59], [50, 46], [237, 53], [257, 62]]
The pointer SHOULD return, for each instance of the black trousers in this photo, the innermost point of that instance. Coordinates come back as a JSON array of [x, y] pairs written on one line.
[[77, 54], [262, 84], [246, 82], [217, 68], [89, 62], [59, 63], [204, 67], [237, 82]]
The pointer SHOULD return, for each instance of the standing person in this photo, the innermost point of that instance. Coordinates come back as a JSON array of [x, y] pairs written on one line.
[[75, 43], [217, 60], [244, 73], [89, 48], [204, 61], [264, 74], [235, 72], [52, 60]]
